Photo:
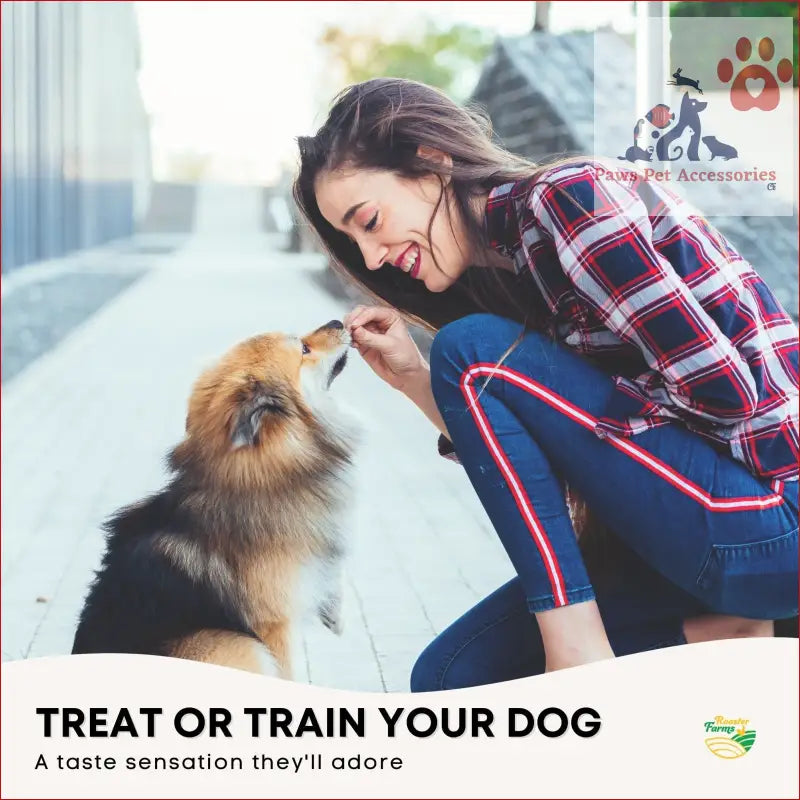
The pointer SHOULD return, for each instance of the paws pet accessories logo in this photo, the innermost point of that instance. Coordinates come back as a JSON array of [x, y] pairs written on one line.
[[747, 86], [717, 121], [732, 738], [667, 130]]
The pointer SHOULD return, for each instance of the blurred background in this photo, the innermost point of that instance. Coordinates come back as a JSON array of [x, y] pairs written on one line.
[[114, 112], [147, 154]]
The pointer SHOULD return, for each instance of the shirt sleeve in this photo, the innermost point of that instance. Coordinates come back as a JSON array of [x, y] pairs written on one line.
[[604, 240]]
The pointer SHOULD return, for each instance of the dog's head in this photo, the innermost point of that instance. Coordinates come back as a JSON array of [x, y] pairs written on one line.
[[266, 401]]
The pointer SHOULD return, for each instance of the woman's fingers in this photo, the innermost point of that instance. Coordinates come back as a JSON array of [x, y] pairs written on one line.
[[351, 315], [364, 337], [356, 314], [361, 315]]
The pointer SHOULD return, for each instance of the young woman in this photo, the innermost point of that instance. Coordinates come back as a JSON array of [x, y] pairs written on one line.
[[591, 331]]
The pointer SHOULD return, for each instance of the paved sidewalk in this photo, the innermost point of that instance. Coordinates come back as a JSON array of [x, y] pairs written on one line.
[[86, 426]]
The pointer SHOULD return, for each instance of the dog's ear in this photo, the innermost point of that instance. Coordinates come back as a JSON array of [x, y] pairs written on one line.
[[255, 403]]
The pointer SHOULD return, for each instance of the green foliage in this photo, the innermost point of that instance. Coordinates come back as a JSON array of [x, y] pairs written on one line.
[[441, 58], [700, 8]]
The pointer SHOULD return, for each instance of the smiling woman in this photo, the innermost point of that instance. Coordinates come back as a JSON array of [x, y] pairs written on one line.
[[402, 201], [650, 354], [399, 224]]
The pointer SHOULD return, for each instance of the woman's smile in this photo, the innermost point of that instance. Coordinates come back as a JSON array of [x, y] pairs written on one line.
[[410, 260]]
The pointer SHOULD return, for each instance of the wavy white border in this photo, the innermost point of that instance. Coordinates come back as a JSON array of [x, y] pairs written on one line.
[[651, 744]]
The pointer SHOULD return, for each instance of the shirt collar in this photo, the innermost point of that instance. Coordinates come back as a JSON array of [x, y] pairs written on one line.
[[501, 220], [499, 212]]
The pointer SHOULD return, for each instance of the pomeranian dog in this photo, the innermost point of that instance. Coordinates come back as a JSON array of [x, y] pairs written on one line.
[[246, 538]]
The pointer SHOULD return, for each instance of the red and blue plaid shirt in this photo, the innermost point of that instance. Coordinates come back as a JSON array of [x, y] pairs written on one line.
[[645, 286]]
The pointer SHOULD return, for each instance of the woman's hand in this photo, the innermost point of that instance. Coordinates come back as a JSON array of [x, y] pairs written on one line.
[[383, 341]]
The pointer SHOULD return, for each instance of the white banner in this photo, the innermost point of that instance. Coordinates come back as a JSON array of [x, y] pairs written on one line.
[[710, 720]]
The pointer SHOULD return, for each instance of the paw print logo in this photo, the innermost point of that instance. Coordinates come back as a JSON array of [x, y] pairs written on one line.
[[755, 77]]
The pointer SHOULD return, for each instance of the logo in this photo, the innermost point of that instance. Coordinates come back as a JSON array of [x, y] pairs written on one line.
[[730, 738], [718, 124], [661, 117], [755, 85]]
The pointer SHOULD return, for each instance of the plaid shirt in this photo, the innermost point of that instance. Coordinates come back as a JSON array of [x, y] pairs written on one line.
[[655, 295]]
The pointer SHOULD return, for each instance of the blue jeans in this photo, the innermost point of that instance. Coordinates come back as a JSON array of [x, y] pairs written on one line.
[[698, 532]]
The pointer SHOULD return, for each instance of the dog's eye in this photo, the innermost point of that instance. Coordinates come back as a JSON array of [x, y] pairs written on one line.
[[306, 349]]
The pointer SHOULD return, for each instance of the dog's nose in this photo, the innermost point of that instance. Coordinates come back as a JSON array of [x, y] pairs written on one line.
[[334, 323]]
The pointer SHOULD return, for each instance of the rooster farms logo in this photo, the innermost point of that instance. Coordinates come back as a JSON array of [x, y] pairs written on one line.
[[730, 738]]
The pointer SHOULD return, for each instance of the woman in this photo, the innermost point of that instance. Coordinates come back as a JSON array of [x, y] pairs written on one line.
[[591, 331]]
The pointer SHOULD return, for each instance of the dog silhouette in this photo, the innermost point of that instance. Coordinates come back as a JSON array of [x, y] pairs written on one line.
[[717, 148], [680, 80], [689, 117]]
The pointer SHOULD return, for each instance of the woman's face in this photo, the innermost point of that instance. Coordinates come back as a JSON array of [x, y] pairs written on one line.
[[388, 218]]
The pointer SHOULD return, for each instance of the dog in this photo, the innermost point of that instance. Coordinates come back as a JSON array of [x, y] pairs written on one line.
[[246, 538], [688, 117]]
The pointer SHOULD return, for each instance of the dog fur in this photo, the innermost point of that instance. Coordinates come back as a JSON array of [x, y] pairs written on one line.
[[220, 564]]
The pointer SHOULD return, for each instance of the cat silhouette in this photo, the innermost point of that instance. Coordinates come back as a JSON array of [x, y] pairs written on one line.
[[635, 153]]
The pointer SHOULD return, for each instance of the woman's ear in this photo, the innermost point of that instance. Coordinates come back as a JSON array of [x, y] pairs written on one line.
[[438, 157]]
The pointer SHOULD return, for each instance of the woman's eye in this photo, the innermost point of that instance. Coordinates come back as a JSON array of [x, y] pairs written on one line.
[[370, 226], [306, 349]]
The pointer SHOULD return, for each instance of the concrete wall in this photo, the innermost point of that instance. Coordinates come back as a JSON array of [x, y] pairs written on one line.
[[75, 138]]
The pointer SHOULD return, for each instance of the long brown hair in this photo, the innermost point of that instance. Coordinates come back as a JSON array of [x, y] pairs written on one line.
[[381, 124]]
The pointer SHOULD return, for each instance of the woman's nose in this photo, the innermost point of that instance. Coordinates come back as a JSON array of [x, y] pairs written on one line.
[[375, 256]]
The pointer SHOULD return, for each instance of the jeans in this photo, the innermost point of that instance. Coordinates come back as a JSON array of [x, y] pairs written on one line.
[[697, 532]]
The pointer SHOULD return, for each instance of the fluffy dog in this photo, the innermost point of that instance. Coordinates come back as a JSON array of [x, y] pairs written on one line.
[[220, 564]]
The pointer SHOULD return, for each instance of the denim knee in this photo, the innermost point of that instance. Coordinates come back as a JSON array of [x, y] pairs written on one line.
[[454, 340], [451, 352], [425, 672], [482, 337]]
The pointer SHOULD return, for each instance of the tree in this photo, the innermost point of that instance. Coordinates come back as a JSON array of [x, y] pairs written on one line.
[[700, 8], [449, 58]]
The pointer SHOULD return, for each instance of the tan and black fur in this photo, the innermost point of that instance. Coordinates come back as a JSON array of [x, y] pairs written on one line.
[[220, 564]]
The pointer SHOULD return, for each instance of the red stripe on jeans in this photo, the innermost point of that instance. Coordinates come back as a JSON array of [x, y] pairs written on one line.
[[636, 452], [518, 492]]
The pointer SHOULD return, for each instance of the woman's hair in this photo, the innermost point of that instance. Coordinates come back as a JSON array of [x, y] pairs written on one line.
[[381, 124]]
